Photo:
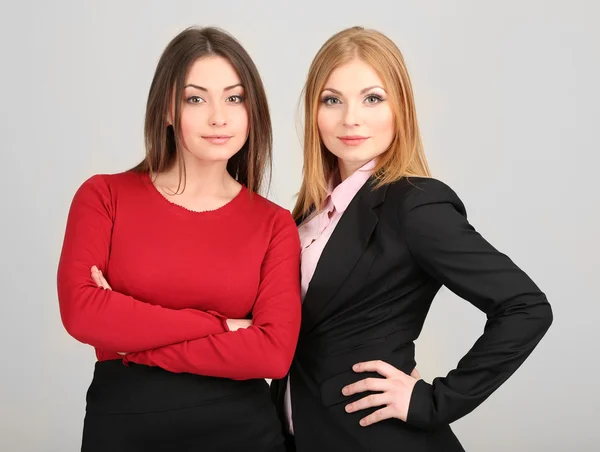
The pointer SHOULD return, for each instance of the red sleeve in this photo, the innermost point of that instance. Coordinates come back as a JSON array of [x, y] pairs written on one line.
[[265, 349], [106, 319]]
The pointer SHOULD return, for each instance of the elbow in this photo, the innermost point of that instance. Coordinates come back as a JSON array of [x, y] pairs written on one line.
[[539, 317], [77, 314], [74, 320], [73, 326], [69, 312], [545, 316], [534, 314], [277, 373], [279, 366]]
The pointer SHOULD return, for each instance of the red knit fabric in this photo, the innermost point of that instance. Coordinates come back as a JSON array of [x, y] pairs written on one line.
[[177, 275]]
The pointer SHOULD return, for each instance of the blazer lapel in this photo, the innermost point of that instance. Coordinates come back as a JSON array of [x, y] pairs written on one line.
[[342, 252]]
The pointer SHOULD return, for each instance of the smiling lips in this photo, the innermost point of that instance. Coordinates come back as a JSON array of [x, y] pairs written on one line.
[[217, 139], [353, 140]]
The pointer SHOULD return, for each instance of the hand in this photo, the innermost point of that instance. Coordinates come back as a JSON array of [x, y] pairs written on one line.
[[396, 389], [236, 324], [101, 282], [99, 279]]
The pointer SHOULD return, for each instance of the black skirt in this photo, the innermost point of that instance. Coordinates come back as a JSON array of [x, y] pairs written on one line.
[[140, 408]]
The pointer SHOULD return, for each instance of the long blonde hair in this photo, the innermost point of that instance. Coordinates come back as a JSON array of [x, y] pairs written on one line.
[[405, 157]]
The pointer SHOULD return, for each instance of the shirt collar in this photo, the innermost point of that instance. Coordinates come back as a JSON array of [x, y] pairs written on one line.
[[342, 194]]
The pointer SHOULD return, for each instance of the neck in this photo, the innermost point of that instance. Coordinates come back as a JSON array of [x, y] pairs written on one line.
[[348, 168], [201, 177]]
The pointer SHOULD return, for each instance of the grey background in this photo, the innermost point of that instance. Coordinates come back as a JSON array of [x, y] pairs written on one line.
[[507, 95]]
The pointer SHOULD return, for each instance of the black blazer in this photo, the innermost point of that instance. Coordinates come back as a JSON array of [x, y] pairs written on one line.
[[389, 255]]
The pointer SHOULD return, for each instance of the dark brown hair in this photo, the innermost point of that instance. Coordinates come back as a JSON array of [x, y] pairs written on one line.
[[250, 165]]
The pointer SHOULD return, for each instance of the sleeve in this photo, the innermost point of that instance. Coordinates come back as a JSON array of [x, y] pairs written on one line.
[[450, 250], [106, 319], [266, 348]]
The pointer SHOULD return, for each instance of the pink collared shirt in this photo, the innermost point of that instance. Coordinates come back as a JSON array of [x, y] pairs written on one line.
[[315, 233]]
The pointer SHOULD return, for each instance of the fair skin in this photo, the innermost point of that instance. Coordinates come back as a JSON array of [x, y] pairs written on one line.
[[355, 120], [214, 127], [356, 124]]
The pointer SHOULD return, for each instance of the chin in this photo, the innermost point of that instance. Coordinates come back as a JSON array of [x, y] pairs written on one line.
[[214, 155], [355, 157]]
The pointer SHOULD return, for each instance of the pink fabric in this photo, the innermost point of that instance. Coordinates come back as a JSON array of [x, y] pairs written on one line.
[[315, 233]]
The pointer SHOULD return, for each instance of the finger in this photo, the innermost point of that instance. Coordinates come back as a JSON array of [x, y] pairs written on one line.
[[101, 281], [104, 281], [381, 367], [415, 374], [377, 416], [97, 278], [368, 384], [122, 353], [369, 402]]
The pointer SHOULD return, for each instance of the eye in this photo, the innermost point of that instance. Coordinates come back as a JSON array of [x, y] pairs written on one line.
[[236, 99], [373, 99], [330, 100], [195, 100]]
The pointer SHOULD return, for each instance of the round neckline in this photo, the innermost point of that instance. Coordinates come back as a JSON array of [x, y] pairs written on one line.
[[181, 210]]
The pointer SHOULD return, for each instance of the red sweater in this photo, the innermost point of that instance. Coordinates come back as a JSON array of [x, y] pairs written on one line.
[[177, 275]]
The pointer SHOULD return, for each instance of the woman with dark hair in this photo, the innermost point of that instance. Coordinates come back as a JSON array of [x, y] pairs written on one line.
[[204, 295]]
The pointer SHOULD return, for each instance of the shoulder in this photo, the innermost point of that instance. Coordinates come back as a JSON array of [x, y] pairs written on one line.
[[266, 207], [410, 193], [106, 188], [112, 182], [280, 218]]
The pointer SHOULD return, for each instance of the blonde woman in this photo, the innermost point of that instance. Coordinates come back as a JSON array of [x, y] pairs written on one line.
[[379, 237]]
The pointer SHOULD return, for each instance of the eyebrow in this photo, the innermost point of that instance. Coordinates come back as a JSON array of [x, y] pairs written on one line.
[[201, 88], [362, 91]]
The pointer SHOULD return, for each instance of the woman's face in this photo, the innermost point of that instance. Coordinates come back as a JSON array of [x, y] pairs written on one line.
[[214, 118], [355, 119]]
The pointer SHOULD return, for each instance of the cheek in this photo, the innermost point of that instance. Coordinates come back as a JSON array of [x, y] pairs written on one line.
[[187, 131], [238, 121], [383, 123], [326, 123], [190, 118]]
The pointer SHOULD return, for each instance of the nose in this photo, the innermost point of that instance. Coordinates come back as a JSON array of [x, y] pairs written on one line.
[[217, 117], [351, 115]]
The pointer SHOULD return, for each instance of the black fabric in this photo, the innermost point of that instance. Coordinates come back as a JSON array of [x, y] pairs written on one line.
[[139, 408], [390, 253]]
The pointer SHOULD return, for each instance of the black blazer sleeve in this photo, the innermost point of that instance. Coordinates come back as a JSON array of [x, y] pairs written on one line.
[[449, 249]]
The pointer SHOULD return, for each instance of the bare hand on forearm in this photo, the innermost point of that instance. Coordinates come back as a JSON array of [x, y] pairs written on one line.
[[236, 324]]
